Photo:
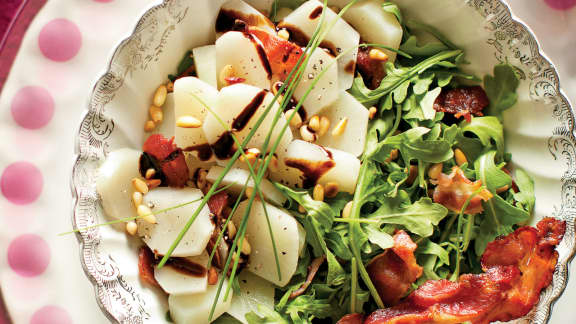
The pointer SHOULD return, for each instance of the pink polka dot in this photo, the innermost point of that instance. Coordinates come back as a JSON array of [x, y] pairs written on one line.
[[32, 107], [60, 40], [28, 255], [21, 183], [561, 4], [50, 315]]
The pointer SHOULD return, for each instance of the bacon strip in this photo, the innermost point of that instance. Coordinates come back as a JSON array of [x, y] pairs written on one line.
[[517, 267], [352, 319], [372, 71], [462, 102], [146, 266], [170, 158], [312, 270], [453, 191], [394, 270]]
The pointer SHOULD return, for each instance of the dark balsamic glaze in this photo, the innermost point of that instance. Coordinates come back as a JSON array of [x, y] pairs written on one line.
[[350, 67], [224, 146], [316, 12], [203, 151], [312, 170], [261, 54], [147, 162], [244, 117], [292, 103], [298, 37], [186, 267]]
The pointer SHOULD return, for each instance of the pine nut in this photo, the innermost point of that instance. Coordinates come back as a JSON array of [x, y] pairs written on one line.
[[324, 125], [314, 123], [153, 183], [435, 170], [160, 96], [502, 189], [412, 174], [460, 157], [188, 122], [156, 114], [132, 228], [296, 121], [378, 55], [212, 276], [227, 72], [372, 112], [284, 34], [318, 193], [347, 210], [145, 213], [231, 230], [307, 135], [331, 189], [139, 185], [249, 192], [340, 127], [150, 173], [393, 156], [246, 248], [201, 181], [149, 126], [170, 86], [137, 198], [301, 209], [273, 165], [276, 87]]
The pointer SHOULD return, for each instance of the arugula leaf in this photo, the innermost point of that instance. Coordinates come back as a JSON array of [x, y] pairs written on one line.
[[378, 237], [525, 196], [501, 89], [336, 274], [268, 317], [492, 176], [393, 9], [422, 82], [427, 103], [308, 305], [317, 210], [338, 243], [416, 25], [226, 319], [430, 248], [418, 218], [411, 46], [487, 129]]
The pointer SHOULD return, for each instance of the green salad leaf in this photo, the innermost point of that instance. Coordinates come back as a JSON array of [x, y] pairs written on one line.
[[501, 89]]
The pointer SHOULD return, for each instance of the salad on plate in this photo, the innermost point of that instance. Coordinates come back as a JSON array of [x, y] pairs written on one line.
[[331, 162]]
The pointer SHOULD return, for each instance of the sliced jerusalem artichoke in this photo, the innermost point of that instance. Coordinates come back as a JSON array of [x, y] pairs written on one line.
[[263, 6], [184, 275], [254, 292], [302, 23], [160, 236], [288, 235], [195, 308], [353, 137], [205, 61], [234, 10], [192, 139], [114, 183]]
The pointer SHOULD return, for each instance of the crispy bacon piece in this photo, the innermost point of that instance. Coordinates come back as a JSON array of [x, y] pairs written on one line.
[[217, 203], [394, 270], [517, 267], [453, 191], [352, 319], [146, 264], [372, 71], [462, 102], [170, 158], [312, 270], [282, 55]]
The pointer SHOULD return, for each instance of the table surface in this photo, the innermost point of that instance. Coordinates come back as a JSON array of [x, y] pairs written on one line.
[[59, 77]]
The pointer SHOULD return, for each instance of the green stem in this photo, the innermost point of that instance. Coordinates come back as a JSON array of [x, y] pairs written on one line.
[[354, 283]]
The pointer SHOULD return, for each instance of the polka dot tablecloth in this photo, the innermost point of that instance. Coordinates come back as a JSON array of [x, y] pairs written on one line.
[[64, 50]]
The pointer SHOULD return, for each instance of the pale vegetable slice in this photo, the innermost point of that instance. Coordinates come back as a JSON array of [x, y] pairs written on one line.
[[240, 106], [205, 62], [186, 92], [194, 164], [287, 235], [340, 38], [323, 165], [263, 6], [159, 237], [326, 91], [238, 177], [177, 282], [375, 25], [246, 56], [166, 127], [195, 308], [238, 9], [114, 183], [254, 291], [353, 138]]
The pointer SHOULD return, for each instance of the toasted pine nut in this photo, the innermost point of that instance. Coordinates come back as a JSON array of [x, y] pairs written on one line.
[[160, 96], [324, 125], [170, 86], [301, 209], [139, 185], [188, 122], [227, 72], [137, 198], [212, 276], [306, 134], [246, 248], [145, 213], [149, 126], [284, 34], [347, 209], [231, 230], [296, 121], [156, 114], [378, 55], [273, 165], [201, 181], [412, 174], [314, 123], [372, 112], [318, 193], [331, 189], [502, 189], [460, 157], [276, 87], [153, 183], [150, 173], [131, 228], [393, 156], [249, 192], [340, 127], [435, 170]]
